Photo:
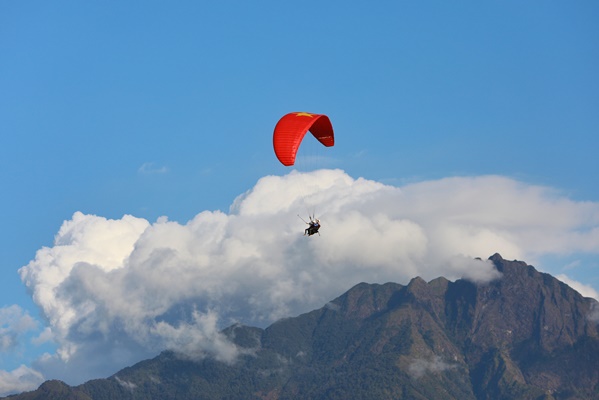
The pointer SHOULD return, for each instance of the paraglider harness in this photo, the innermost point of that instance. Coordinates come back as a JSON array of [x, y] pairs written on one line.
[[314, 226]]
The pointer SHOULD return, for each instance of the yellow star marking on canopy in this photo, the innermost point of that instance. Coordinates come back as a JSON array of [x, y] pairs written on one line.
[[304, 114]]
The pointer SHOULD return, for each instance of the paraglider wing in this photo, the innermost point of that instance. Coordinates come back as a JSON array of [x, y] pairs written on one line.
[[291, 129]]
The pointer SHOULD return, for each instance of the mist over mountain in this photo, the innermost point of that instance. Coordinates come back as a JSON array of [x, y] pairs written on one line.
[[524, 335]]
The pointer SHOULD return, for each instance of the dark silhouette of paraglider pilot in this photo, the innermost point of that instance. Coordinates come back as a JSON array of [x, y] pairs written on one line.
[[314, 226]]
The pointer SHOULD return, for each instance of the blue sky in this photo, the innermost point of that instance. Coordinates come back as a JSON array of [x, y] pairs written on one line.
[[152, 109]]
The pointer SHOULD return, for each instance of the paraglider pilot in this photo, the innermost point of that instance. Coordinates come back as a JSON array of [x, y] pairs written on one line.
[[314, 226]]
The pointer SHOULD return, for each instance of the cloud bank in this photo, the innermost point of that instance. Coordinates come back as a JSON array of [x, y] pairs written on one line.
[[117, 291], [20, 379]]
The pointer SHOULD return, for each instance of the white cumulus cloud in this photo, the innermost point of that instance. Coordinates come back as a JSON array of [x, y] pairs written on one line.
[[122, 290]]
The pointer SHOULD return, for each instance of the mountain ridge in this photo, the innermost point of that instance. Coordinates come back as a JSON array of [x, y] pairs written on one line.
[[524, 335]]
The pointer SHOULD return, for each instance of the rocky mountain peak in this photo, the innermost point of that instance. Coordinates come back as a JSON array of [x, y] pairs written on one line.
[[525, 335]]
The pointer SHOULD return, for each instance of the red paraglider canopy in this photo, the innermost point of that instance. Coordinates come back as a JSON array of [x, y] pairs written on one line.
[[291, 129]]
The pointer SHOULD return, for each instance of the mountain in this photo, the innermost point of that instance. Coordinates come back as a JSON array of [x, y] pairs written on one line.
[[525, 335]]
